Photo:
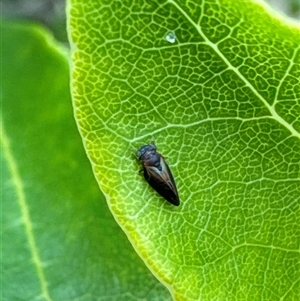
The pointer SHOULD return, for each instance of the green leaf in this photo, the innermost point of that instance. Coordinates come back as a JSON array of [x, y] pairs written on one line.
[[221, 103], [60, 241]]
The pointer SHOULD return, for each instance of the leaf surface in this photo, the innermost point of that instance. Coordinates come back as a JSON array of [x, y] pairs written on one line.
[[216, 85], [56, 228]]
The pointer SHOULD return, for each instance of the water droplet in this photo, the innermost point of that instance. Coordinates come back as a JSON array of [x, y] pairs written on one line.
[[170, 37]]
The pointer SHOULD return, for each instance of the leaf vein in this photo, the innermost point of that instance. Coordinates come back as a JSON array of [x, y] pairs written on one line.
[[236, 70], [22, 202]]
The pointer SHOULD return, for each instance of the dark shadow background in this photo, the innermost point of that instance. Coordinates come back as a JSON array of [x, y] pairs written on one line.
[[50, 13]]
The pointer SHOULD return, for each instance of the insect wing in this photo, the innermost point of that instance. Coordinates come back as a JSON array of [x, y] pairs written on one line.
[[162, 181]]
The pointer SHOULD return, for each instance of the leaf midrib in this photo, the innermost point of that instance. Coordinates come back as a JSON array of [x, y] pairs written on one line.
[[25, 214], [230, 66]]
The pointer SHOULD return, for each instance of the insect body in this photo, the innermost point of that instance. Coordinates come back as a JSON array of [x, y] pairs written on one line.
[[157, 173]]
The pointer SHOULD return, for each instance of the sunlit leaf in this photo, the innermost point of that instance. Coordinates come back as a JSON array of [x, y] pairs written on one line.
[[221, 103]]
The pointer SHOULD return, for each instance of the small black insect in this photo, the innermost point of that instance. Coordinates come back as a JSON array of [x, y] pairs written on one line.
[[157, 173]]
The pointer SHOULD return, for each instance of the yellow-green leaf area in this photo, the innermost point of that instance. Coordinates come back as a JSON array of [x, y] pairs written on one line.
[[221, 102]]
